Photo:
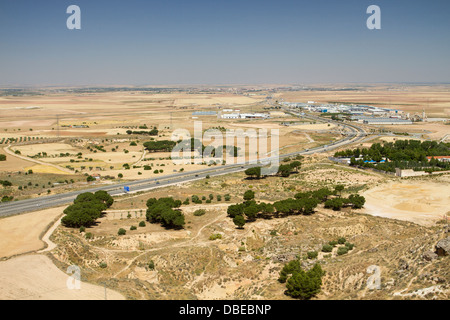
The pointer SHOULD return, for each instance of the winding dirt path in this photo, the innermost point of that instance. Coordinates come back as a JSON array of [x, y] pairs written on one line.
[[8, 151]]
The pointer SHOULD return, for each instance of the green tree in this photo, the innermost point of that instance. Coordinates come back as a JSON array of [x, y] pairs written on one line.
[[335, 204], [239, 221], [305, 285], [235, 210], [254, 173], [288, 269], [251, 212], [296, 165], [357, 201], [249, 195], [338, 189], [284, 170]]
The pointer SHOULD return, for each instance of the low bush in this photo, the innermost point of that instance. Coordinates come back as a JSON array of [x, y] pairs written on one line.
[[199, 212]]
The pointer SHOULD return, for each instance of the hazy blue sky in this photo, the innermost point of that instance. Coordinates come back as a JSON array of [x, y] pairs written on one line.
[[140, 42]]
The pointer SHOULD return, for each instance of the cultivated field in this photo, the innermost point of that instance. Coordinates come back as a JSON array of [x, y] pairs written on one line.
[[55, 139]]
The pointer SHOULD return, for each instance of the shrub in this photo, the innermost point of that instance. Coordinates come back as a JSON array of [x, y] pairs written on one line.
[[349, 245], [312, 254], [133, 228], [6, 183], [327, 248], [249, 195], [151, 265], [199, 212], [82, 229], [342, 250], [215, 236], [342, 240], [142, 224], [333, 243], [103, 265], [122, 232], [88, 235]]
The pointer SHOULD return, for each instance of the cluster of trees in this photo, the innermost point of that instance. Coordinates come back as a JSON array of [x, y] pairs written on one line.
[[153, 132], [401, 154], [2, 157], [354, 200], [86, 209], [7, 198], [5, 183], [303, 203], [402, 150], [164, 211], [160, 146], [249, 210], [300, 284], [347, 246], [197, 145], [284, 170]]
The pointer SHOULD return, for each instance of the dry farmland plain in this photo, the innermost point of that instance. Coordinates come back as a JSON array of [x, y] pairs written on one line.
[[63, 135]]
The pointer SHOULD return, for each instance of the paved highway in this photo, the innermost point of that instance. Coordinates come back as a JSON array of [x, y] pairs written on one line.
[[356, 134]]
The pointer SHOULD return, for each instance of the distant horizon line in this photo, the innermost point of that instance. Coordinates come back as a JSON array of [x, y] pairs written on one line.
[[180, 85]]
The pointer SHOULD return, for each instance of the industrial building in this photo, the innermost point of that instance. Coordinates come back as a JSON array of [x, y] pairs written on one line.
[[245, 116], [204, 113], [386, 121], [348, 109]]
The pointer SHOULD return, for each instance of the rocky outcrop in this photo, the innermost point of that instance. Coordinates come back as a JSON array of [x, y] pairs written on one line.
[[443, 247], [430, 255]]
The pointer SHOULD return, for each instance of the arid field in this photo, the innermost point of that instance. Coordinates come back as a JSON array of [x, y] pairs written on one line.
[[55, 138]]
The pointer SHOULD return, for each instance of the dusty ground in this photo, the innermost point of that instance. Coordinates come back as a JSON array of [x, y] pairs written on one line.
[[35, 277], [245, 264], [21, 234], [420, 201]]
